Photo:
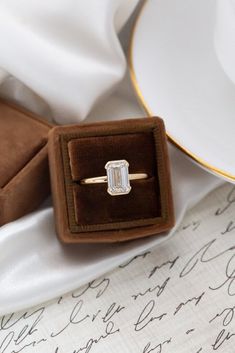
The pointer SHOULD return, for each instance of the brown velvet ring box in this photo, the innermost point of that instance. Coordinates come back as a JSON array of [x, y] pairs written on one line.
[[88, 213], [24, 171]]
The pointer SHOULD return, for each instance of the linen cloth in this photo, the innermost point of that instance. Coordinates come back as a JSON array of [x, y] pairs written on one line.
[[65, 60]]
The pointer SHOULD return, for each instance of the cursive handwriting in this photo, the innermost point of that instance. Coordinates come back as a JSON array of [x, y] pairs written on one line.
[[157, 348], [222, 337], [229, 275], [230, 200], [229, 228], [227, 314], [194, 225], [25, 336], [146, 316], [143, 256], [158, 267], [202, 256], [109, 330], [101, 285], [195, 299], [158, 289]]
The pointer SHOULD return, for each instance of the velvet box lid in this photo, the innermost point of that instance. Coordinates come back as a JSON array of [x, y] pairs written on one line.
[[24, 172], [88, 213]]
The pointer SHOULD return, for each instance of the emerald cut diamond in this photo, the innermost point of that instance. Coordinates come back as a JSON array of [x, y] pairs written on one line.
[[118, 177]]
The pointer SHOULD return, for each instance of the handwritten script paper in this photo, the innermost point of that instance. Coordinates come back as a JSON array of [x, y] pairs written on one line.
[[179, 297]]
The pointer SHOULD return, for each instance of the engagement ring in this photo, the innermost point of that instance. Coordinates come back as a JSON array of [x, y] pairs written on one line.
[[118, 178]]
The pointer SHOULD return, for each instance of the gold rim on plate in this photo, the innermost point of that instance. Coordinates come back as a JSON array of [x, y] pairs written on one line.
[[143, 102]]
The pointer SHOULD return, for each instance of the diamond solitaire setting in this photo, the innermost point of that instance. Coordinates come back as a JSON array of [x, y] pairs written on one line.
[[118, 177]]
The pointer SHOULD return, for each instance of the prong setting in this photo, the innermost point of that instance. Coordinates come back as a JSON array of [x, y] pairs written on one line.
[[118, 177]]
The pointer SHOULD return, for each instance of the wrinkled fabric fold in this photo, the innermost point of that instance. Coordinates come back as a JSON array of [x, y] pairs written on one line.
[[66, 52]]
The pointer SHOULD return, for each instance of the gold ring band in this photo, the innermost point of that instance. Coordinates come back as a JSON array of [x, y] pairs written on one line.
[[104, 179]]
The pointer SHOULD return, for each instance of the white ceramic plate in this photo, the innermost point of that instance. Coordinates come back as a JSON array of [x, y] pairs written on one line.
[[177, 75]]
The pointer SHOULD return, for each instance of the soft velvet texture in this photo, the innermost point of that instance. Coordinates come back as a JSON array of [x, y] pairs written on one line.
[[93, 205], [24, 172], [88, 157], [21, 137], [88, 212]]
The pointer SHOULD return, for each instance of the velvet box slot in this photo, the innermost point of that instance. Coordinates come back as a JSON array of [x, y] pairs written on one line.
[[24, 171], [88, 213]]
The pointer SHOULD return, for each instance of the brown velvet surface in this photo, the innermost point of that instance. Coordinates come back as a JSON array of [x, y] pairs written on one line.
[[21, 137], [93, 204], [87, 213], [24, 172]]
